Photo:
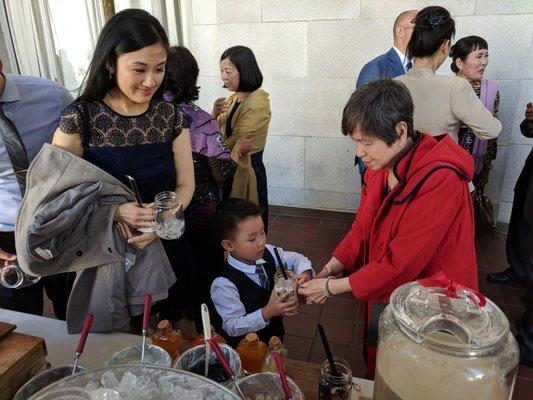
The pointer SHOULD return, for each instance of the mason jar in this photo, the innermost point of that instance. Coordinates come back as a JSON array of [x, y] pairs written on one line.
[[284, 286], [444, 345], [12, 277], [335, 387], [169, 219]]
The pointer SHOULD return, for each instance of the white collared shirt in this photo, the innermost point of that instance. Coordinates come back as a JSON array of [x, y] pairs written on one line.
[[403, 58], [226, 298]]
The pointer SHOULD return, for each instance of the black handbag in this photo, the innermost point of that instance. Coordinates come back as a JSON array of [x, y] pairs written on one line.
[[483, 214]]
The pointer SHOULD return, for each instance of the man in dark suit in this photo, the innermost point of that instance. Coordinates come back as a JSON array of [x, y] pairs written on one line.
[[518, 248], [394, 62], [519, 245]]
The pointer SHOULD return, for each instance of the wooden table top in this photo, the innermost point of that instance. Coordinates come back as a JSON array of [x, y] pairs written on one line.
[[61, 347]]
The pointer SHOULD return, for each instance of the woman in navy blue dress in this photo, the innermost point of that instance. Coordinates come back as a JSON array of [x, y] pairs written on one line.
[[121, 124]]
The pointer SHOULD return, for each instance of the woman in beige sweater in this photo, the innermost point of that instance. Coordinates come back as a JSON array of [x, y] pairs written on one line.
[[442, 102]]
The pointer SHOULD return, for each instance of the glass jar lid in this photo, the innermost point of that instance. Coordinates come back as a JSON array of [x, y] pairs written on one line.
[[449, 317]]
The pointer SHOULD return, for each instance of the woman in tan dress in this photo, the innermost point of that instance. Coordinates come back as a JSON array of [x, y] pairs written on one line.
[[442, 103], [245, 113]]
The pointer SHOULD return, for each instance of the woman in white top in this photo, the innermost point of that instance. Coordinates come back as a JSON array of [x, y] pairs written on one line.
[[442, 103]]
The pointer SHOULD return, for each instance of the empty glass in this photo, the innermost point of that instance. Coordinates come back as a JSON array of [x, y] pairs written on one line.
[[169, 219], [13, 277]]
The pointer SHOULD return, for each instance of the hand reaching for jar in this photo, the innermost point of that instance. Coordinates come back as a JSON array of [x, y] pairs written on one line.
[[278, 305], [135, 216]]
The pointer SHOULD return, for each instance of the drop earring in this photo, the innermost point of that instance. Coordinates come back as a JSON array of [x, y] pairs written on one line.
[[110, 75]]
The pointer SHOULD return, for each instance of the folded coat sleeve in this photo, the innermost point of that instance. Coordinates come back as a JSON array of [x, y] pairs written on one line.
[[350, 252], [467, 108], [423, 225]]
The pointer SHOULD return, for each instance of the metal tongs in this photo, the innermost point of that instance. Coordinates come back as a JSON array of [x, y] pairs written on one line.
[[81, 343], [206, 322], [225, 364], [146, 320], [282, 376]]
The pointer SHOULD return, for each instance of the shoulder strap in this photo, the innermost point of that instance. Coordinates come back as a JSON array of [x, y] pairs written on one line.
[[488, 92]]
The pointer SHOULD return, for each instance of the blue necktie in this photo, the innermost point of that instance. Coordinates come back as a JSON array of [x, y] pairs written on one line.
[[408, 66], [263, 280]]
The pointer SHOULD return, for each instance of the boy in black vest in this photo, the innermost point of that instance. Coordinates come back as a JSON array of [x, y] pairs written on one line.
[[243, 294]]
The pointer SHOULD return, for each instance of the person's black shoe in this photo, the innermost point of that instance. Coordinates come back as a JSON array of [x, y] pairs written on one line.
[[526, 358], [526, 362], [507, 276]]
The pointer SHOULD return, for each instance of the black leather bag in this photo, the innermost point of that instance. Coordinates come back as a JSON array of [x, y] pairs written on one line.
[[483, 214]]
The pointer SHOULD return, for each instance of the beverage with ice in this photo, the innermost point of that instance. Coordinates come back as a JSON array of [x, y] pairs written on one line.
[[169, 219], [283, 286]]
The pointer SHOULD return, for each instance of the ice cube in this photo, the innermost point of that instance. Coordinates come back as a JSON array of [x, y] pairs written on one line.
[[165, 388], [109, 380], [142, 381], [105, 394], [148, 391], [92, 386], [128, 383]]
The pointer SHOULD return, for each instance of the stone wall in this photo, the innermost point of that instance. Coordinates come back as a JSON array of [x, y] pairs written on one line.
[[311, 52]]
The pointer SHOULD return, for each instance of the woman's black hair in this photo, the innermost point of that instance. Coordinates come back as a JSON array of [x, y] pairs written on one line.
[[250, 76], [181, 75], [376, 108], [433, 26], [127, 31], [463, 47]]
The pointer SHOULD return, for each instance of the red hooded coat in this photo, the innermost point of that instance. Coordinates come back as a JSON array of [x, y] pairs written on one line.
[[423, 226]]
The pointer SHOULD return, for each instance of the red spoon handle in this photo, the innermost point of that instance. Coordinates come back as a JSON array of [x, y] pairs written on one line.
[[147, 305], [282, 376], [85, 331], [221, 358]]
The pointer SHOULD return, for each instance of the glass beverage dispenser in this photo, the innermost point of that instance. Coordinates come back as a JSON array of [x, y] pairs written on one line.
[[441, 341]]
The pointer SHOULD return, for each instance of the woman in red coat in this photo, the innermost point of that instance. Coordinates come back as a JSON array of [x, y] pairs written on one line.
[[415, 217]]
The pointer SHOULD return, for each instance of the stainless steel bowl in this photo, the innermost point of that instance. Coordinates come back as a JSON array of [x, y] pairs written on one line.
[[192, 356], [153, 355], [44, 379]]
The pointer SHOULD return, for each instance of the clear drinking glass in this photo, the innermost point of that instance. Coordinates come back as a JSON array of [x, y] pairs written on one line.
[[13, 277], [169, 219], [283, 286]]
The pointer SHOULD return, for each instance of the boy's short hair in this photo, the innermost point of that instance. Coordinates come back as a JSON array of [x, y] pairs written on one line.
[[230, 212]]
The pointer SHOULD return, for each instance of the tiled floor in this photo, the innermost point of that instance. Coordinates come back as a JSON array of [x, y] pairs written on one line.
[[315, 234]]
